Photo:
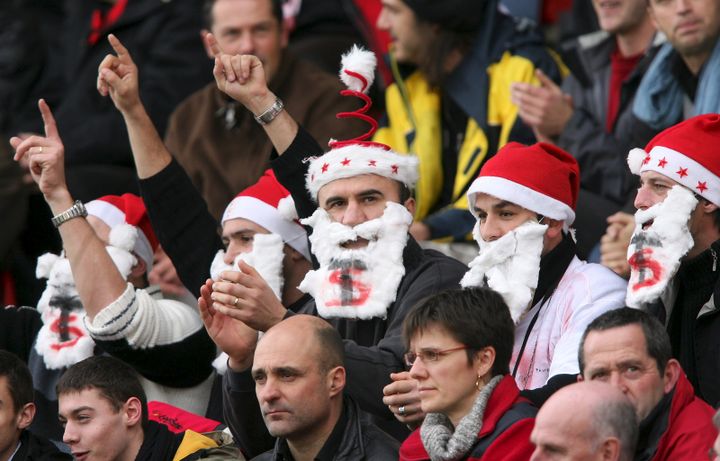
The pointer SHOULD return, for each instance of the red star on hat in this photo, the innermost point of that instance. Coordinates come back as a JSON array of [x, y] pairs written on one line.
[[682, 172], [345, 162], [701, 186], [372, 163], [324, 168], [647, 159], [662, 163], [394, 169]]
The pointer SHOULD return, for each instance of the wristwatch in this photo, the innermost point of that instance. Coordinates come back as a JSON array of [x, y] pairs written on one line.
[[76, 211], [270, 114]]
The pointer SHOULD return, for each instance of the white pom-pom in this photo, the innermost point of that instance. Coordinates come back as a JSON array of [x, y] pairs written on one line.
[[45, 264], [286, 208], [361, 61], [124, 236], [635, 160]]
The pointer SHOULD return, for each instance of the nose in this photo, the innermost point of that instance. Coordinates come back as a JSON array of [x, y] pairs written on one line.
[[682, 6], [69, 435], [418, 370], [246, 43], [382, 22], [268, 392], [618, 382], [490, 229], [644, 198], [353, 214]]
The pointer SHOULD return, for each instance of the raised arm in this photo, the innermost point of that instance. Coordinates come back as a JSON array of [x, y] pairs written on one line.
[[98, 280]]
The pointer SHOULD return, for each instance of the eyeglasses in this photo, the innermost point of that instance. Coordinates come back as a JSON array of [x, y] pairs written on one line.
[[429, 355]]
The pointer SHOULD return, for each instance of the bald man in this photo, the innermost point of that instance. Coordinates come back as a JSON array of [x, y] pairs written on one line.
[[299, 377], [583, 422]]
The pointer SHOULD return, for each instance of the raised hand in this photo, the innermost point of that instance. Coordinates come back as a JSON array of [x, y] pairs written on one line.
[[403, 394], [118, 77], [45, 156], [232, 336], [241, 77]]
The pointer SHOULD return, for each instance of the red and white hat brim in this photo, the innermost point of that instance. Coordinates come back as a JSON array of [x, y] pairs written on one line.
[[113, 217]]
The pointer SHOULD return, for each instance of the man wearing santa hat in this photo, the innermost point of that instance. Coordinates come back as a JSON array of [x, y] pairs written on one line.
[[370, 271], [98, 294], [673, 252], [524, 202]]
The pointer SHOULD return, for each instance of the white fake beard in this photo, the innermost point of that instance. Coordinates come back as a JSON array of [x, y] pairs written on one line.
[[266, 257], [63, 339], [509, 265], [357, 283], [654, 253]]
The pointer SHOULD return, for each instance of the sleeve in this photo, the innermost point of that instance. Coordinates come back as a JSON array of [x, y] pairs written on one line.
[[242, 414], [164, 340], [182, 224], [369, 368], [452, 222], [595, 292], [513, 444], [290, 169]]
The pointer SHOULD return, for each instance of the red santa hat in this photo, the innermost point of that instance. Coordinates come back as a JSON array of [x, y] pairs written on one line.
[[686, 153], [268, 204], [358, 156], [542, 178], [129, 224]]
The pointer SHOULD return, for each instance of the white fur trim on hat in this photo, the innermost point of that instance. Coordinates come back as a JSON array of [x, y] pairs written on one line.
[[360, 61], [635, 159], [114, 217], [355, 160], [530, 199], [269, 217], [681, 169]]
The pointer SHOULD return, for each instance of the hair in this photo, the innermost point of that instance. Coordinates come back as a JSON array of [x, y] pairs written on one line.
[[115, 380], [617, 419], [443, 43], [19, 380], [657, 340], [332, 349], [476, 317], [716, 419], [208, 6]]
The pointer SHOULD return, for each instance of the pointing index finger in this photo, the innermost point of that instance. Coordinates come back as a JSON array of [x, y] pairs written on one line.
[[119, 48], [213, 44], [48, 119]]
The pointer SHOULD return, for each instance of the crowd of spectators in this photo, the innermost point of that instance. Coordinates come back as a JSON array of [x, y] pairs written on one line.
[[494, 236]]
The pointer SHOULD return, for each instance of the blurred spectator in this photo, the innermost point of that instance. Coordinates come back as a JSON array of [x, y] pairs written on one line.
[[455, 112], [17, 411], [459, 344], [220, 144], [630, 350], [13, 209], [591, 115], [585, 421]]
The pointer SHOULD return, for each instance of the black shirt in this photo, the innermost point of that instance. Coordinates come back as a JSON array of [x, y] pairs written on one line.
[[329, 449]]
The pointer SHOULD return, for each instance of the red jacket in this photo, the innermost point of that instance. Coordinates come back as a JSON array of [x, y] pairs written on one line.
[[504, 435], [690, 432]]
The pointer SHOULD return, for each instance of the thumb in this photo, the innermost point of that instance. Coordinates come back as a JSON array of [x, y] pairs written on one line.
[[545, 81], [246, 268]]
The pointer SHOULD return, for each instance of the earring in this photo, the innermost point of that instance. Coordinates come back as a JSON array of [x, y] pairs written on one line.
[[477, 382]]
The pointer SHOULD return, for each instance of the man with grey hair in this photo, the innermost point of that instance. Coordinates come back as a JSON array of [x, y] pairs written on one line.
[[630, 349], [601, 426]]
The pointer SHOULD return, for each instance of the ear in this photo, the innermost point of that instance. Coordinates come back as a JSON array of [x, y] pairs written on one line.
[[651, 13], [132, 412], [293, 254], [484, 360], [139, 268], [208, 51], [580, 378], [707, 206], [610, 449], [671, 375], [26, 415], [554, 229], [336, 381], [410, 205]]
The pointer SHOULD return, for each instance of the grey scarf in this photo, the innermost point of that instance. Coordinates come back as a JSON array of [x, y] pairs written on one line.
[[436, 432]]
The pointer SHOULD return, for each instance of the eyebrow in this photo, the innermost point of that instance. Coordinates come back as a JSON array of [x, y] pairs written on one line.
[[240, 232], [498, 206], [77, 410], [364, 193]]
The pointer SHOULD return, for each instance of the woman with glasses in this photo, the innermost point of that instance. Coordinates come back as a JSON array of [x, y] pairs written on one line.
[[459, 344]]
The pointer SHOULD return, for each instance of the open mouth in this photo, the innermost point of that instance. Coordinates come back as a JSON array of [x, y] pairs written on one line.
[[647, 224], [355, 244]]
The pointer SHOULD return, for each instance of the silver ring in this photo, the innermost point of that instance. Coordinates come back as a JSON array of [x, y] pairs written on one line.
[[236, 301], [401, 410], [40, 149]]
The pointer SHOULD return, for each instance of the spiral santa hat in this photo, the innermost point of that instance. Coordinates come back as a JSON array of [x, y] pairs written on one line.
[[359, 156]]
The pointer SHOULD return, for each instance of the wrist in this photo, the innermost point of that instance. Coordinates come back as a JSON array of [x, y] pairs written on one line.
[[59, 201], [262, 102]]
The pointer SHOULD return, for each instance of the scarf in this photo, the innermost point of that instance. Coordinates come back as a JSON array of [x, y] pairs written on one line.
[[659, 98], [436, 432]]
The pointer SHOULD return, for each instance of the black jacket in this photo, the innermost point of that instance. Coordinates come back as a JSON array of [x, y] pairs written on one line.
[[361, 441], [605, 179], [34, 448], [163, 39]]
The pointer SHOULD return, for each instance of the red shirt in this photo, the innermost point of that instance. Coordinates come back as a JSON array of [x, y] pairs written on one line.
[[620, 68]]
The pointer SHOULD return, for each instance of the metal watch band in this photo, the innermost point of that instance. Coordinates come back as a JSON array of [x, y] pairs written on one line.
[[76, 211], [270, 114]]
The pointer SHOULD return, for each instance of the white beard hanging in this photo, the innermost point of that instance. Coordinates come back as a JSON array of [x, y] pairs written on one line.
[[654, 253], [509, 265], [357, 283], [267, 258], [63, 339]]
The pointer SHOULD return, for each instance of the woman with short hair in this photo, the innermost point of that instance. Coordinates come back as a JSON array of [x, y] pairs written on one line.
[[459, 345]]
